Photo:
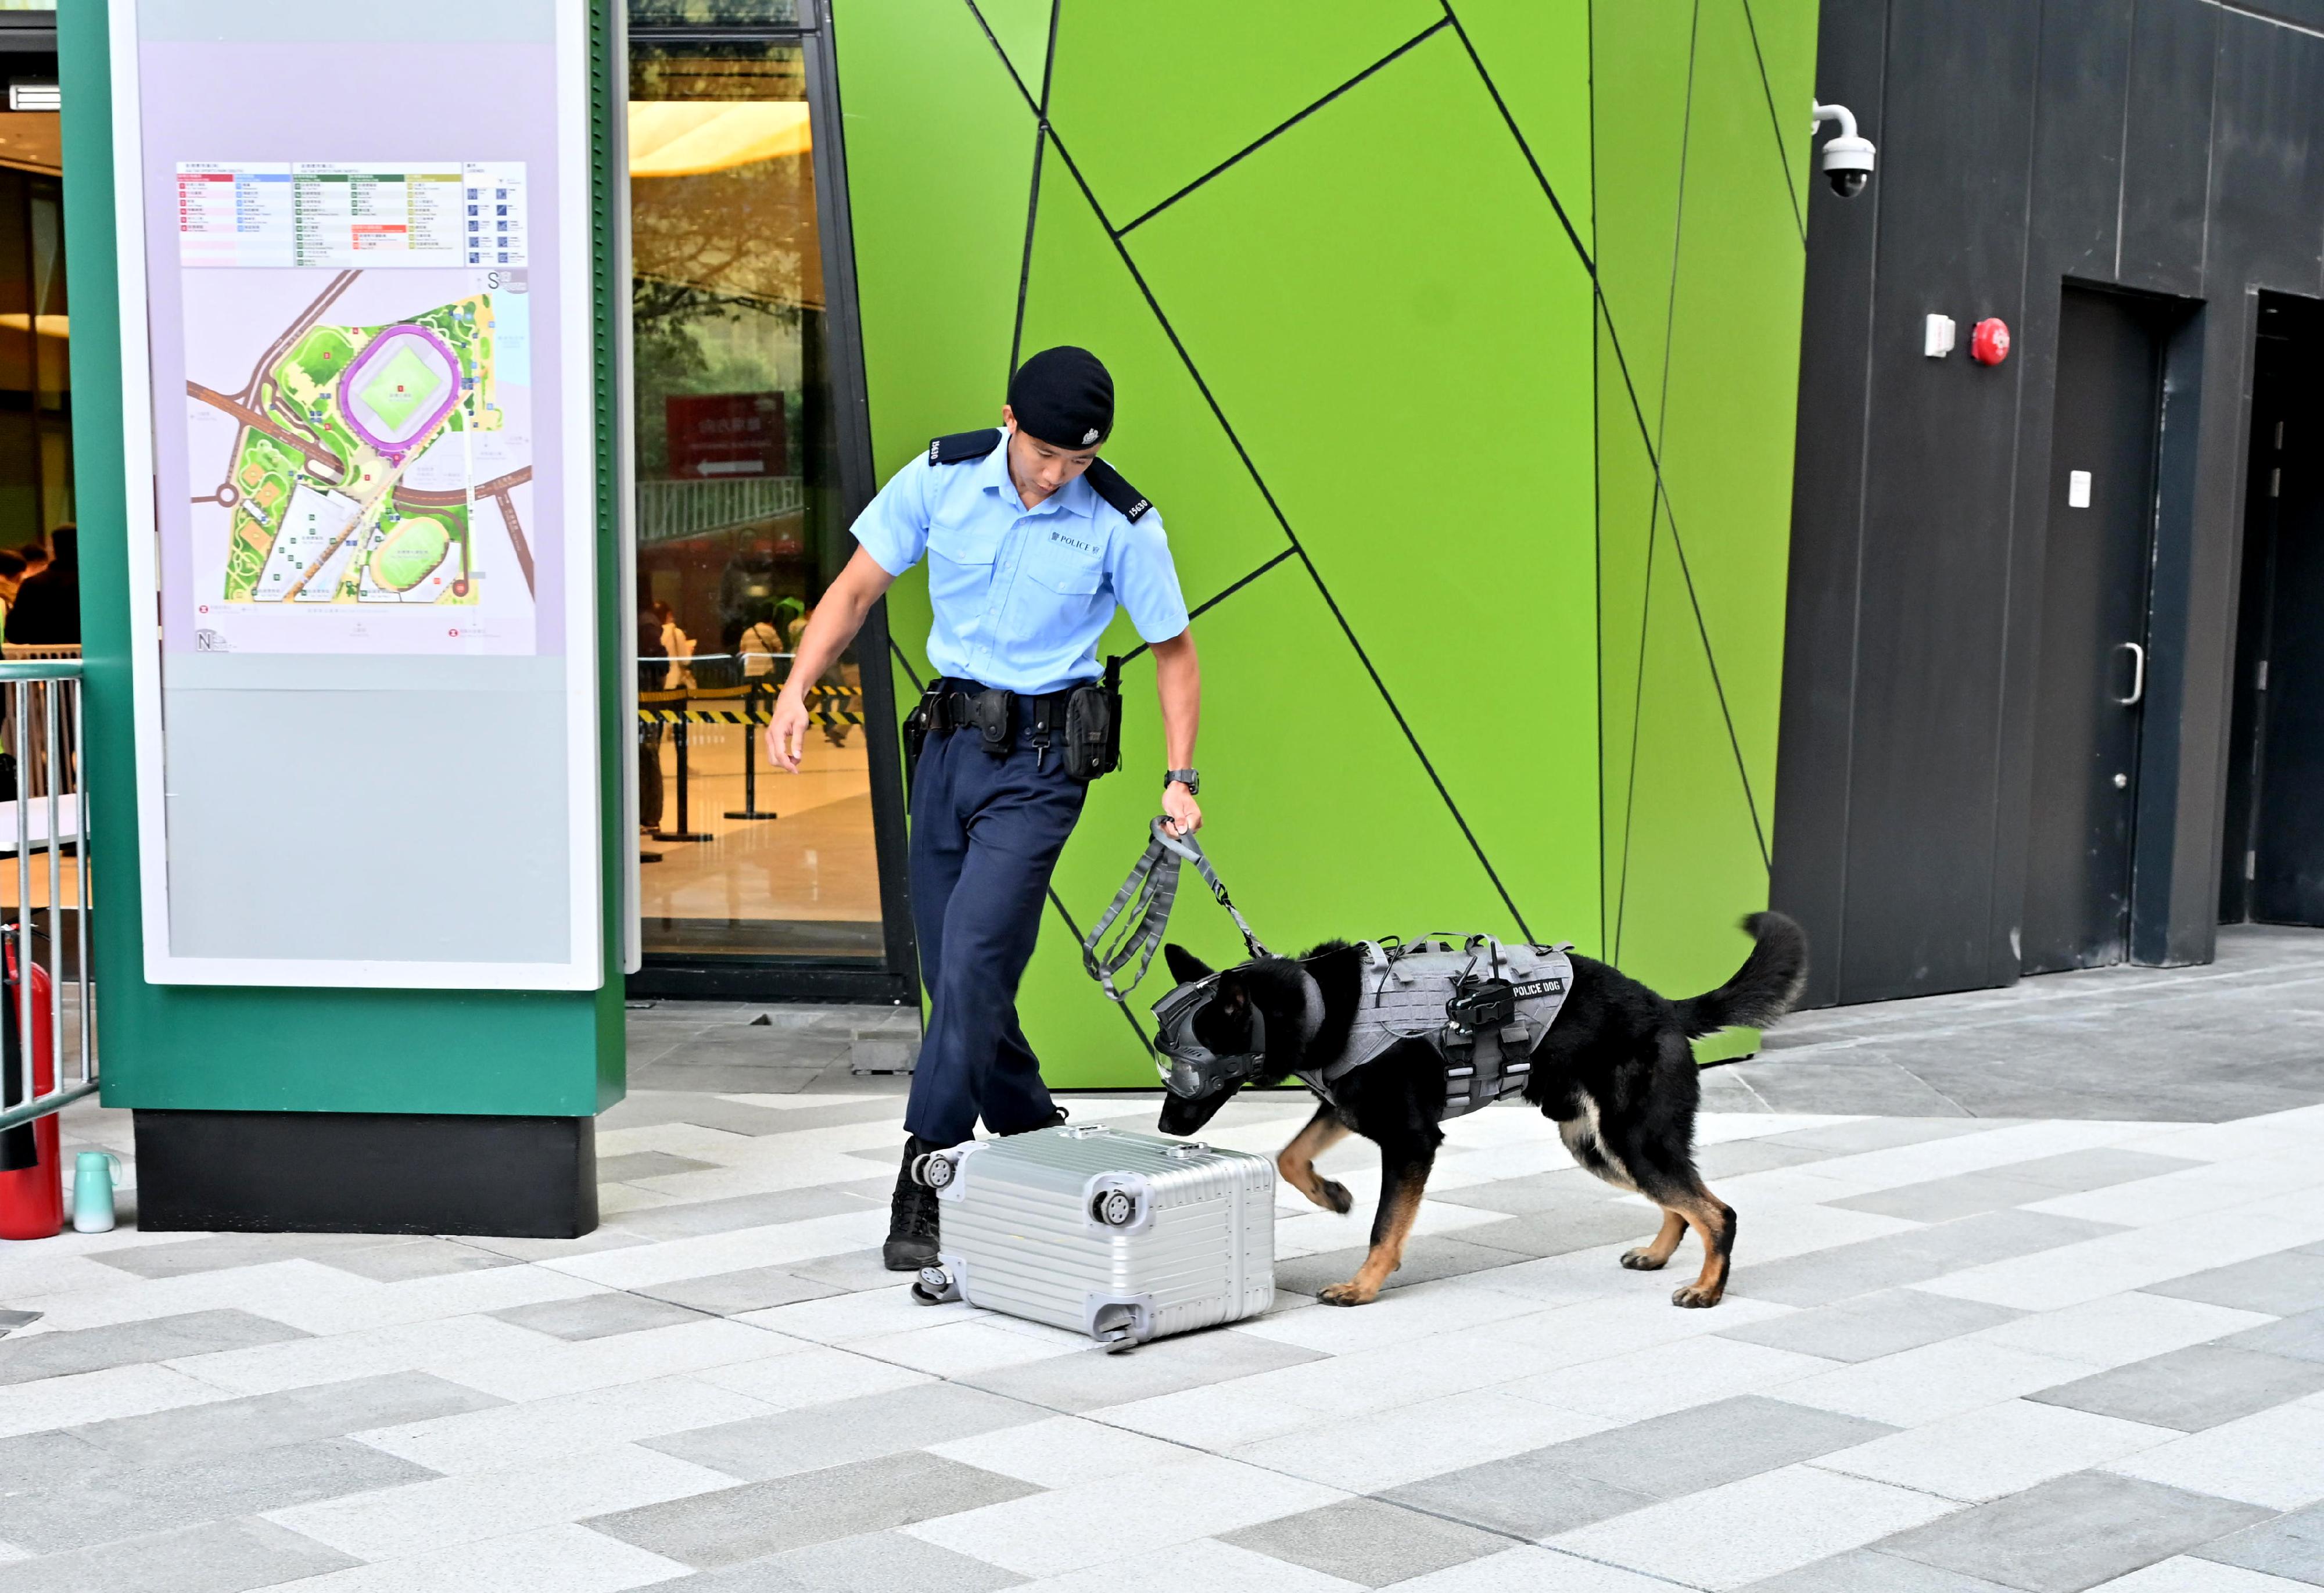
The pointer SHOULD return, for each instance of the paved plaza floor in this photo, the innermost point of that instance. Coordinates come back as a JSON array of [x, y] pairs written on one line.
[[2029, 1295]]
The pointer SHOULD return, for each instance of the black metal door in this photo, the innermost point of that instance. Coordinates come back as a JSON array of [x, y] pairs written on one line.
[[2285, 497], [2092, 663]]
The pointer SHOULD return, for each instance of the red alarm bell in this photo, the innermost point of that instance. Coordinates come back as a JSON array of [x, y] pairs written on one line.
[[1988, 342]]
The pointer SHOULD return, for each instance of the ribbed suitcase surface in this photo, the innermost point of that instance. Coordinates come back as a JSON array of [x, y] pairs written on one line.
[[1124, 1237]]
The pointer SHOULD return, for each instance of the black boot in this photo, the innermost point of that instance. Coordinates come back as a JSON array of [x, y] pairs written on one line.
[[911, 1215]]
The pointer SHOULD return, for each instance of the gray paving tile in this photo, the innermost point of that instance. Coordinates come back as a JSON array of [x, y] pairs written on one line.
[[760, 1519], [2287, 1283], [2291, 1546], [49, 1459], [1822, 1276], [218, 1557], [650, 1105], [1941, 1199], [1870, 1326], [404, 1259], [131, 1501], [1559, 1191], [1166, 1365], [1585, 1480], [1735, 1157], [1427, 1258], [10, 1321], [678, 1070], [160, 1338], [876, 1562], [755, 1210], [2300, 1337], [1368, 1542], [851, 1270], [1880, 1133], [731, 1293], [598, 1316], [2072, 1533], [197, 1435], [1560, 1231], [2191, 1389], [1524, 1497], [845, 1430], [1867, 1571], [219, 1252], [1861, 1084], [1724, 1090], [646, 1164], [2074, 1172]]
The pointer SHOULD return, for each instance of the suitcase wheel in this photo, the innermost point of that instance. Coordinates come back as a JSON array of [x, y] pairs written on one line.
[[933, 1286], [1116, 1207], [934, 1170]]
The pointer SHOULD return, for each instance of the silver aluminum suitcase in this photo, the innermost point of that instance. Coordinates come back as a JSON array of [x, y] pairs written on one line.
[[1124, 1237]]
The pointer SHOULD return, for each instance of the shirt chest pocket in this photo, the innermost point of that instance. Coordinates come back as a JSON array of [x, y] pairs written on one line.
[[960, 563], [1071, 566]]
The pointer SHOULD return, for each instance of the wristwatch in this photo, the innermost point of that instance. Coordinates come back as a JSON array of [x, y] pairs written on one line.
[[1189, 778]]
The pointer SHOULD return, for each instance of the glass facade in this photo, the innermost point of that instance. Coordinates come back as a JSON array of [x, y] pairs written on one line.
[[741, 520]]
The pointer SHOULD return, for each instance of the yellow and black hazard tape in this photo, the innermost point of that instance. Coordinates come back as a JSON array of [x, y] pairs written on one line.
[[827, 716]]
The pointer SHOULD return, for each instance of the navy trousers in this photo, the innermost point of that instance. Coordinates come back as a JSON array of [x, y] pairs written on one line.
[[986, 832]]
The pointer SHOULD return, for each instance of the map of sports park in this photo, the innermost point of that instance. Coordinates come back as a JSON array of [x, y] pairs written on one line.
[[347, 438]]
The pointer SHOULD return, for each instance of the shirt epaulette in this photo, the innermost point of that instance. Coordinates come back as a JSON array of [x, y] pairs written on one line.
[[963, 446], [1107, 482]]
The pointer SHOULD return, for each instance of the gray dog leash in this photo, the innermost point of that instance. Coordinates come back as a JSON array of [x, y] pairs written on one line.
[[1152, 886]]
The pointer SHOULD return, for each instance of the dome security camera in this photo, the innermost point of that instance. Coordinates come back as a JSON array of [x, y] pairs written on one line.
[[1848, 159]]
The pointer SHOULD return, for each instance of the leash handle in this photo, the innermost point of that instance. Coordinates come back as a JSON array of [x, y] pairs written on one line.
[[1146, 897]]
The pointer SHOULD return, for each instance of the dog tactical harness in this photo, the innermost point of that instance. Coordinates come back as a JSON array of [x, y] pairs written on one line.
[[1484, 1006]]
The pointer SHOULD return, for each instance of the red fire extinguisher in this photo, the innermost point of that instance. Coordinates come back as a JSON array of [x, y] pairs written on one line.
[[32, 1198]]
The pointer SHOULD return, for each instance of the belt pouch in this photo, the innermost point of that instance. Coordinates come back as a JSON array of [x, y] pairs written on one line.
[[993, 714], [921, 720], [1093, 725]]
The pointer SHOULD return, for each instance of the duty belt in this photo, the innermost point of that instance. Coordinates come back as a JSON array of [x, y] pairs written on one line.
[[953, 703]]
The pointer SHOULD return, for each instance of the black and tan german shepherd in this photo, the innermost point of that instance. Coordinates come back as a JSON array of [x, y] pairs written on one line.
[[1615, 1073]]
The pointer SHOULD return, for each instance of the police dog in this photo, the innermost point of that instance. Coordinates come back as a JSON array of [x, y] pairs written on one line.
[[1614, 1073]]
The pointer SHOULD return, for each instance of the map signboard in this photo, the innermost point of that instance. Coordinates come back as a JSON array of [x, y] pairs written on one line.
[[358, 366]]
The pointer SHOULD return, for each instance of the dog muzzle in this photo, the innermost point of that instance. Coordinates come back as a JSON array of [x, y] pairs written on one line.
[[1191, 1070]]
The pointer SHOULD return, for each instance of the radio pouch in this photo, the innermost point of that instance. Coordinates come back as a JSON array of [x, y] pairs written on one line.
[[994, 715], [1093, 725]]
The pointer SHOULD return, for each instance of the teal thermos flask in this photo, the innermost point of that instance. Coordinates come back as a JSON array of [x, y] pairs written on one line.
[[92, 1197]]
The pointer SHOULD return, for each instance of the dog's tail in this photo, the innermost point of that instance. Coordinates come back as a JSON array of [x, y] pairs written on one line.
[[1763, 989]]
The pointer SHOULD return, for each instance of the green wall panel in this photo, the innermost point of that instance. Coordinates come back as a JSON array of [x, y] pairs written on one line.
[[1021, 28], [1165, 438], [1404, 339], [1538, 54], [1312, 287], [1149, 96]]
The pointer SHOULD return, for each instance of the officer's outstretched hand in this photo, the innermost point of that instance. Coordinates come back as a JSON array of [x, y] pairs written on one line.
[[787, 731], [1181, 813]]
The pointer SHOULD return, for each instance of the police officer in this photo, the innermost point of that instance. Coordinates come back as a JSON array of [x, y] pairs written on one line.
[[1032, 541]]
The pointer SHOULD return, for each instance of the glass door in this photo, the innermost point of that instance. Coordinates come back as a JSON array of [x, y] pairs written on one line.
[[750, 465]]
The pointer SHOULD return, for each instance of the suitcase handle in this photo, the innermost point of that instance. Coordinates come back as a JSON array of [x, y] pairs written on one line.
[[1083, 1130], [1188, 1151]]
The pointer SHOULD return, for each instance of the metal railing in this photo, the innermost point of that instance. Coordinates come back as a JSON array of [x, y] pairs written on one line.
[[669, 511], [43, 808]]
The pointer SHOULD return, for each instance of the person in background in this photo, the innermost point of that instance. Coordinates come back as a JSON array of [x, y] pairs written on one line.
[[35, 555], [676, 645], [12, 575], [760, 645], [47, 610], [648, 735]]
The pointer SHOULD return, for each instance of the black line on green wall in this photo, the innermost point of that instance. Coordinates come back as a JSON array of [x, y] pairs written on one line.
[[1524, 148], [1776, 123], [1033, 198], [1074, 929], [1216, 598], [1654, 455], [1234, 437], [1284, 127], [1654, 504]]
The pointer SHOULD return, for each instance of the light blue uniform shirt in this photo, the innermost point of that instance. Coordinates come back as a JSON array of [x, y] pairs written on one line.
[[1021, 595]]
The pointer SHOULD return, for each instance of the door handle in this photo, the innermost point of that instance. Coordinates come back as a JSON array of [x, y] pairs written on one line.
[[2137, 673]]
